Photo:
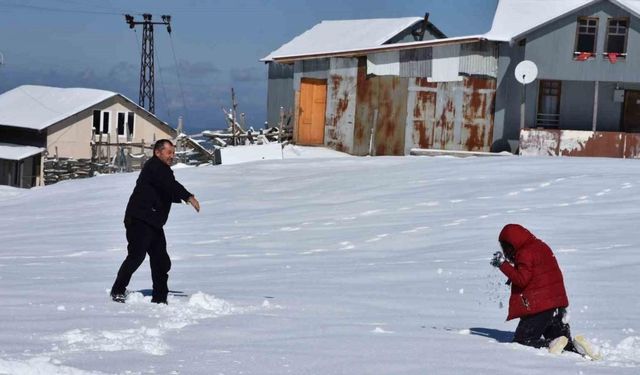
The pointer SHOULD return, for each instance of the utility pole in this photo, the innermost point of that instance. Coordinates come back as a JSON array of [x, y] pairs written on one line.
[[146, 60]]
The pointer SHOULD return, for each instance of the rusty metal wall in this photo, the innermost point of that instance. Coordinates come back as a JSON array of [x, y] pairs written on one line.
[[478, 111], [341, 104], [366, 110], [416, 62], [548, 142], [632, 146], [450, 115], [389, 128], [380, 114]]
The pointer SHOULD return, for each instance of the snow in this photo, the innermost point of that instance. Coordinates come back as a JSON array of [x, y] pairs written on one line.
[[343, 35], [273, 151], [516, 17], [322, 266], [37, 107], [10, 151]]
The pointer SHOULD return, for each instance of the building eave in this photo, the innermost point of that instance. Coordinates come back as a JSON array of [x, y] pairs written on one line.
[[383, 48]]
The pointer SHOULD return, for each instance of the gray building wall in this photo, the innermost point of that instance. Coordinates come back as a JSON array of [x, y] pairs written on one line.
[[506, 126], [551, 48], [279, 91]]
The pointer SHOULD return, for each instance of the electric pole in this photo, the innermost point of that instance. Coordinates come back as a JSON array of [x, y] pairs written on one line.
[[146, 60]]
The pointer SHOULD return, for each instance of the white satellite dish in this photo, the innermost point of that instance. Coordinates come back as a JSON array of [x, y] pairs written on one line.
[[526, 72]]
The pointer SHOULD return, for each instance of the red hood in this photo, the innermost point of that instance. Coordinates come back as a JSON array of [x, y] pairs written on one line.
[[516, 235]]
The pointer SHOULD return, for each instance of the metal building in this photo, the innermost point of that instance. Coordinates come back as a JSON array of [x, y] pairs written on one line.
[[375, 97]]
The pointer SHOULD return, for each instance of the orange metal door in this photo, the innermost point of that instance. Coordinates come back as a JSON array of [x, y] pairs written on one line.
[[313, 103]]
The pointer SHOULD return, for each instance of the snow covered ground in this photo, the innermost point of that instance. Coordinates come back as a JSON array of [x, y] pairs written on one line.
[[322, 266]]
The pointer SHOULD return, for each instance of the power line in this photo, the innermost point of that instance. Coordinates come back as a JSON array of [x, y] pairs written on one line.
[[162, 85], [59, 10], [184, 102]]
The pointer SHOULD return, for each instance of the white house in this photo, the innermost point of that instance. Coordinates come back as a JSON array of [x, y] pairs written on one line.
[[64, 121]]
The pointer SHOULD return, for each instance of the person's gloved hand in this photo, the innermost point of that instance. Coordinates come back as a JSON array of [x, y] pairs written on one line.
[[498, 259]]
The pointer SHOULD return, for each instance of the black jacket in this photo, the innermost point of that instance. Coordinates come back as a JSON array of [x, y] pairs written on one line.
[[155, 190]]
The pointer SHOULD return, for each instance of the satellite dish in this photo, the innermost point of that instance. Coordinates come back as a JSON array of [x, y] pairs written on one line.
[[526, 72]]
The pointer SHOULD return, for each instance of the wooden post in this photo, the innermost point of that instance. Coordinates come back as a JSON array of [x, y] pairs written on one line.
[[99, 148], [595, 105], [243, 122], [108, 151], [522, 105], [233, 117], [280, 124], [373, 132]]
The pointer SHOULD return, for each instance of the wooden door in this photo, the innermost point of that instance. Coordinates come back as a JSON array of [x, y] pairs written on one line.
[[311, 115], [631, 112]]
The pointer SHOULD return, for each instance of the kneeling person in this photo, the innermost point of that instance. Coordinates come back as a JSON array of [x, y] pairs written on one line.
[[538, 296]]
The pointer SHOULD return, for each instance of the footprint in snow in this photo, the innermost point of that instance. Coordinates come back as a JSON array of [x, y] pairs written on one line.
[[346, 245], [454, 223], [415, 230], [289, 229], [428, 204], [370, 212], [313, 251], [377, 238]]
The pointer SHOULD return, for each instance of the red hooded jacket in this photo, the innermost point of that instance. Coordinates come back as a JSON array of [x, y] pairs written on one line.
[[536, 279]]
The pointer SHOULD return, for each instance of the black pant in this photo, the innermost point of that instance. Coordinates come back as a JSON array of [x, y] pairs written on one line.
[[143, 239], [538, 330]]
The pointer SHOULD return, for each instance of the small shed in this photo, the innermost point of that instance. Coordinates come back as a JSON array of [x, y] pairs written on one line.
[[20, 166], [330, 36], [386, 98]]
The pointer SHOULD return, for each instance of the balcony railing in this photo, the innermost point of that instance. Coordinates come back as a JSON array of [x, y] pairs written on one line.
[[548, 120]]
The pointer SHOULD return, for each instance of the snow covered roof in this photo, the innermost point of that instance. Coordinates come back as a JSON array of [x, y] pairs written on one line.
[[516, 17], [10, 151], [387, 47], [345, 35], [38, 107]]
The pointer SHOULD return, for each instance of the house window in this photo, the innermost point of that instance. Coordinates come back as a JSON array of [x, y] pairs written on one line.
[[586, 37], [125, 124], [130, 118], [101, 121], [96, 121], [617, 31], [121, 124], [105, 122], [549, 104]]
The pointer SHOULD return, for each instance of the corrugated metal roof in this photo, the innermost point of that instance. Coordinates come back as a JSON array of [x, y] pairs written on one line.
[[336, 36], [10, 151], [383, 48], [516, 17]]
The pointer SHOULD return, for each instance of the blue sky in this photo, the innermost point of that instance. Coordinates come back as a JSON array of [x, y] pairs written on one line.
[[214, 45]]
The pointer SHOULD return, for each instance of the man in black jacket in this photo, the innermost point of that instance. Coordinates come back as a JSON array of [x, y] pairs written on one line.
[[147, 212]]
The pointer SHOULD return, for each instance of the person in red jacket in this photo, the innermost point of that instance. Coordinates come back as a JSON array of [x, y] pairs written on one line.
[[538, 295]]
